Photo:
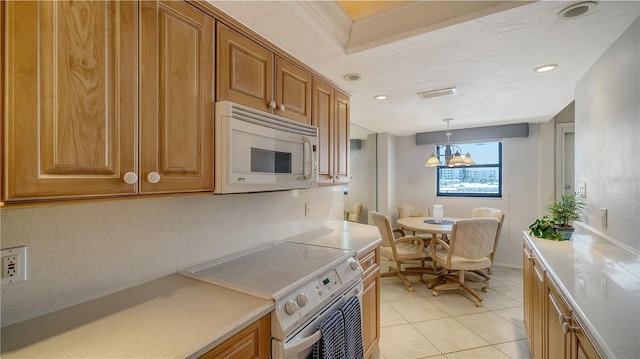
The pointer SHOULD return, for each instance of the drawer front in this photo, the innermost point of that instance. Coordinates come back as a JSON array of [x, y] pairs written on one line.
[[370, 261]]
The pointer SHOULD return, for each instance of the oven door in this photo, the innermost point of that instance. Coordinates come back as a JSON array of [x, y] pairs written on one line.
[[300, 344]]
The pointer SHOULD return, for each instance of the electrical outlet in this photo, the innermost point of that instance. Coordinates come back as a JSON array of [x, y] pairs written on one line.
[[14, 265], [603, 217]]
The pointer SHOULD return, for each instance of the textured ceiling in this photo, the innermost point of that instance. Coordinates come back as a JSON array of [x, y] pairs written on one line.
[[490, 60]]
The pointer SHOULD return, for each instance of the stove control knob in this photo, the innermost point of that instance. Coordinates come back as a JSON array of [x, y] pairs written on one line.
[[354, 265], [290, 307], [302, 299]]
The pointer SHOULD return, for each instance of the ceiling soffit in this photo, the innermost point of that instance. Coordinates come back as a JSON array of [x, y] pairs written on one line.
[[393, 23]]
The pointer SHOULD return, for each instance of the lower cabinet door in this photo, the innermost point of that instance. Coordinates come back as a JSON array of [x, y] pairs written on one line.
[[253, 341]]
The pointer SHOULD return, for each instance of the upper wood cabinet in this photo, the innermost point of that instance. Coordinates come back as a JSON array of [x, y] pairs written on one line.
[[176, 97], [78, 72], [331, 116], [250, 74], [70, 102]]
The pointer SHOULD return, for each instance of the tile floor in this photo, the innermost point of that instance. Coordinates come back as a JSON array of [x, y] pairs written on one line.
[[418, 325]]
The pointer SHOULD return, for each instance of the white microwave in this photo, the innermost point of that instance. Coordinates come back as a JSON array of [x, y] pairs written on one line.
[[258, 152]]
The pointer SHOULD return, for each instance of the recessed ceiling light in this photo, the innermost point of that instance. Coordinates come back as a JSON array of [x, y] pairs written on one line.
[[576, 10], [381, 97], [545, 68], [437, 93], [352, 77]]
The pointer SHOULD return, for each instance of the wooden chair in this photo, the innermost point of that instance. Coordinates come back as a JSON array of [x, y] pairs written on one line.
[[470, 245], [400, 250], [487, 212], [413, 210], [353, 212]]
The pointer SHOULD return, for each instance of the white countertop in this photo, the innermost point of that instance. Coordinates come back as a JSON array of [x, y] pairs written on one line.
[[347, 235], [171, 317], [602, 284]]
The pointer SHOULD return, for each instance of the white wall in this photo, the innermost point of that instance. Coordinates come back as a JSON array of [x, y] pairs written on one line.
[[608, 137], [521, 193], [81, 251]]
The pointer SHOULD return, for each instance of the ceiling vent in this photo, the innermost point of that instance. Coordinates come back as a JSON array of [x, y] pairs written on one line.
[[438, 93]]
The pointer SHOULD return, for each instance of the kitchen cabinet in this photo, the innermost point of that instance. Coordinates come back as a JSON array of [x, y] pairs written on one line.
[[553, 329], [331, 115], [74, 87], [252, 342], [558, 313], [176, 92], [251, 74], [370, 262], [534, 299], [70, 101]]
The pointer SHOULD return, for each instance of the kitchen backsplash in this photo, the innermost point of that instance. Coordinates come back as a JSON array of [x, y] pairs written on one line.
[[78, 252]]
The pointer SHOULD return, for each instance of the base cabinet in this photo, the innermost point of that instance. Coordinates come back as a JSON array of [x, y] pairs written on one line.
[[370, 300], [252, 342], [553, 330]]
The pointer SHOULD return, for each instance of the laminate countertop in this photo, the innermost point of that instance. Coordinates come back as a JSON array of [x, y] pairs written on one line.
[[601, 282], [346, 235], [171, 317]]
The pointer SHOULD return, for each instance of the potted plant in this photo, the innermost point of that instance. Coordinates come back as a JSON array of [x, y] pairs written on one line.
[[544, 228], [564, 211]]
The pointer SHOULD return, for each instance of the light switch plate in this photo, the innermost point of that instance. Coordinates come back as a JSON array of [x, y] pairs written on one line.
[[14, 265]]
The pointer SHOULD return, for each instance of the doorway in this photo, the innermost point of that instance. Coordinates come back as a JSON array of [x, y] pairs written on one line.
[[363, 171]]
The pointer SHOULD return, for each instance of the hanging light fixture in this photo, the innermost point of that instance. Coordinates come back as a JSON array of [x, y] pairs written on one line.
[[451, 158]]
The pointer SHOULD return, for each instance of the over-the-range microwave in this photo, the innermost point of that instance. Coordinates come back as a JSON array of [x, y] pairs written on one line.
[[258, 152]]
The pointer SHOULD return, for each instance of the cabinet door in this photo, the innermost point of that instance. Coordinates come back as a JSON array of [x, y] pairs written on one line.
[[582, 348], [527, 273], [370, 301], [341, 144], [71, 73], [293, 92], [176, 57], [244, 70], [252, 342], [558, 312], [538, 300], [323, 113]]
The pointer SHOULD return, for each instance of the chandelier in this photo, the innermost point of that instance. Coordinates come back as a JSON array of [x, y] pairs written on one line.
[[451, 158]]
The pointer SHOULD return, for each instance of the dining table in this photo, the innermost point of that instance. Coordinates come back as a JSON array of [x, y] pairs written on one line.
[[428, 225]]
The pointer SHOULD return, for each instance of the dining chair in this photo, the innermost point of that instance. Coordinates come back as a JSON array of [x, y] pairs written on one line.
[[470, 245], [401, 250], [489, 212], [353, 212], [413, 210]]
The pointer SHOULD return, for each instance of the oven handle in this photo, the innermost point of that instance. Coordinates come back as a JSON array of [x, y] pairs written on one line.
[[302, 344]]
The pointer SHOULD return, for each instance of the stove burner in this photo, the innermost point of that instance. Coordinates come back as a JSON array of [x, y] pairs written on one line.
[[274, 277], [243, 267]]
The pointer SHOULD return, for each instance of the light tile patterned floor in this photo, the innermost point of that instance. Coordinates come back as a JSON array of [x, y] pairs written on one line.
[[415, 325]]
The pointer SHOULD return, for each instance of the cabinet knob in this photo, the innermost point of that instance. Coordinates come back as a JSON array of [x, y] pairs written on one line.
[[282, 108], [153, 177], [130, 177], [272, 104]]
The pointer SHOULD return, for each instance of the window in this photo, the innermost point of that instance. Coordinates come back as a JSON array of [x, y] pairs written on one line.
[[484, 179]]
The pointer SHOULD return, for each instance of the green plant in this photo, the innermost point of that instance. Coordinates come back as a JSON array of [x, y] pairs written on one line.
[[567, 209], [544, 228]]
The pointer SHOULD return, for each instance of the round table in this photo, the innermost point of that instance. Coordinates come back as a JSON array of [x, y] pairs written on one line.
[[418, 225]]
